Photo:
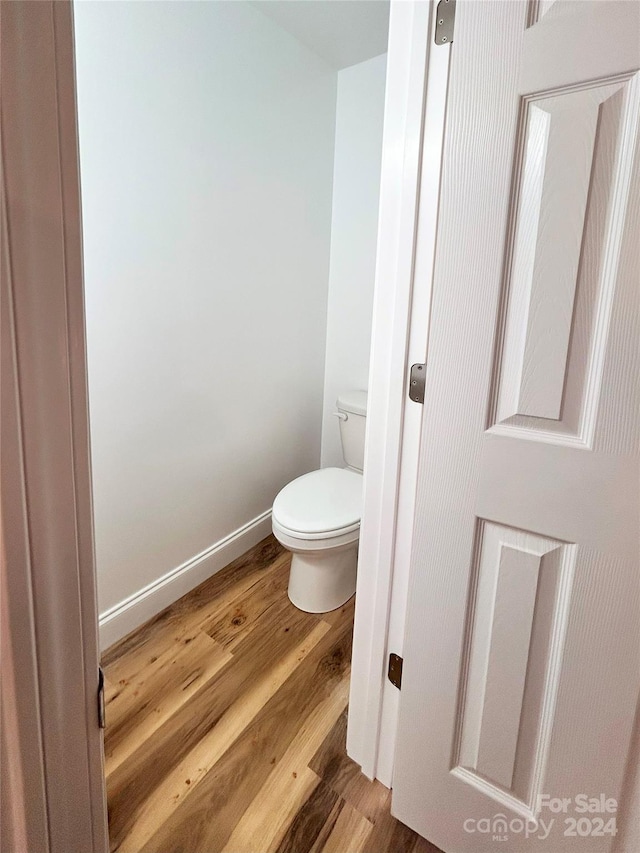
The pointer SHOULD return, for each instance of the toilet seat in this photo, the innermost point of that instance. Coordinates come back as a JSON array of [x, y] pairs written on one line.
[[334, 540], [320, 506]]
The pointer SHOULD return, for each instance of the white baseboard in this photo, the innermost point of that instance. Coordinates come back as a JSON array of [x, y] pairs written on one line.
[[122, 618]]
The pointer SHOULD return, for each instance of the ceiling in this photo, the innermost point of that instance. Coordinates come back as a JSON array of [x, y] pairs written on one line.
[[342, 32]]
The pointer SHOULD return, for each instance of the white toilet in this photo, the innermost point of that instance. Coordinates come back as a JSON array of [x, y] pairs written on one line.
[[317, 518]]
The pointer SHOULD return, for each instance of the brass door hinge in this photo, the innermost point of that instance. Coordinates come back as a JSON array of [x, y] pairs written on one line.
[[395, 670]]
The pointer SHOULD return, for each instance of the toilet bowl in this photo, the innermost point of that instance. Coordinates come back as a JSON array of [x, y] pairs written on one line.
[[317, 518]]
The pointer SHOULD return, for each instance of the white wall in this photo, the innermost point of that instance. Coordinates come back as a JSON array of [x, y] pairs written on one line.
[[354, 223], [206, 143]]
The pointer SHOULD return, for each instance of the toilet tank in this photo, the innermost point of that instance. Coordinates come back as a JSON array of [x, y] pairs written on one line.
[[352, 407]]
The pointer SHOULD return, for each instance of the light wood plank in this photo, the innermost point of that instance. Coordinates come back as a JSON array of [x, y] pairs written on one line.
[[140, 707], [185, 617], [290, 783], [238, 776], [233, 758], [185, 777], [157, 758], [233, 622], [350, 832]]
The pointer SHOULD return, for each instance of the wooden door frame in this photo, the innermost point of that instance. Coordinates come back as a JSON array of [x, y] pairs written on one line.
[[414, 118], [53, 790]]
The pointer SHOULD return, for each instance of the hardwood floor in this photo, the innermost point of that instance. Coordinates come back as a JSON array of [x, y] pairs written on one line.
[[226, 724]]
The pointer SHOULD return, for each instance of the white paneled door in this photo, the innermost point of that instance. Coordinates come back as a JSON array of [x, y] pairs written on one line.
[[522, 653]]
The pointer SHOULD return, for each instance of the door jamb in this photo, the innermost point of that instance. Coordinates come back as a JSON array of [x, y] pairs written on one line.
[[53, 790], [417, 76]]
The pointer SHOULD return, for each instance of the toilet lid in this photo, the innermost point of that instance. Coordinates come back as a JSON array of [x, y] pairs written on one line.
[[326, 500]]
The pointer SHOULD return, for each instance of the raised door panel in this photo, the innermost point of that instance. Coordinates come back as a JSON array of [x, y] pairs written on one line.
[[570, 192], [516, 623]]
